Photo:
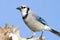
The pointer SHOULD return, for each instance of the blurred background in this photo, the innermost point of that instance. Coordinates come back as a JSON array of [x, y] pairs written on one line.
[[47, 9]]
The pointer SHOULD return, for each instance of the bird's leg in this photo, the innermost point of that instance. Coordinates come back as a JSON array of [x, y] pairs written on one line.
[[41, 35], [33, 33]]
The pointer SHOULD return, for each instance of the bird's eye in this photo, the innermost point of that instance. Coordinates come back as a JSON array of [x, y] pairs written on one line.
[[23, 7]]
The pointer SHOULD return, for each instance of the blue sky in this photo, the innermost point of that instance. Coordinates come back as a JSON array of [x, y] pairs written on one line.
[[47, 9]]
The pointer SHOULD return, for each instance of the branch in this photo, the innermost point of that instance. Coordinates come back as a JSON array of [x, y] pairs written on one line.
[[4, 34]]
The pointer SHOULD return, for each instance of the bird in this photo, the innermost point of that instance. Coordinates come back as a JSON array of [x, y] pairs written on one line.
[[35, 22]]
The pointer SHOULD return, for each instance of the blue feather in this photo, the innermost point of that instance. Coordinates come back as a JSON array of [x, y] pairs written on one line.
[[40, 19]]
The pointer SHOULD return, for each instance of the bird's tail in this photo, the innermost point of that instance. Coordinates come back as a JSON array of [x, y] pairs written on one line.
[[55, 32]]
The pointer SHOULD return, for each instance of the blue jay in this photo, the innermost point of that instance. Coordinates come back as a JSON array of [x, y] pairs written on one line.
[[34, 22]]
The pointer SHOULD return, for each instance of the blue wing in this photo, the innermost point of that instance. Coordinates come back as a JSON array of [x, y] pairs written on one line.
[[40, 19]]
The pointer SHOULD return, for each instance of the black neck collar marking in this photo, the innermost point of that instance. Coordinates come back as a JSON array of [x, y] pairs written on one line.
[[26, 14]]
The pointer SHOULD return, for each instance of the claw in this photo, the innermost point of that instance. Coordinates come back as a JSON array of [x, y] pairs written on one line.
[[33, 33], [30, 37]]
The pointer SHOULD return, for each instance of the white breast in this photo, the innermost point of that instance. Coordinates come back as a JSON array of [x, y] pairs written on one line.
[[33, 24]]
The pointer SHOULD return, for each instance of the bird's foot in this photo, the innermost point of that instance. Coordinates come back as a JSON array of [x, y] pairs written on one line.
[[30, 37]]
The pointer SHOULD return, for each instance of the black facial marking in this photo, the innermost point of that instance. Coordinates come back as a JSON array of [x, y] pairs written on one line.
[[24, 17], [26, 14], [27, 10], [22, 7]]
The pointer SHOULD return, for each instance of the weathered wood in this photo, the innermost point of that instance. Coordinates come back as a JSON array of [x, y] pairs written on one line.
[[4, 33]]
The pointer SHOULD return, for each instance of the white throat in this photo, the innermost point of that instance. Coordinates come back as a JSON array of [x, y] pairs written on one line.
[[24, 13]]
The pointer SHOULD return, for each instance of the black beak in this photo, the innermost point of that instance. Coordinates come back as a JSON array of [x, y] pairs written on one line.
[[18, 8]]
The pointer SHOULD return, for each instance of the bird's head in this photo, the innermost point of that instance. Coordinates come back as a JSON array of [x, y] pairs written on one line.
[[23, 9]]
